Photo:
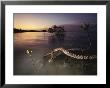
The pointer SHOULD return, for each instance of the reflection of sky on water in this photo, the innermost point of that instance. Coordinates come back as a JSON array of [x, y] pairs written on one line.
[[30, 39], [77, 38]]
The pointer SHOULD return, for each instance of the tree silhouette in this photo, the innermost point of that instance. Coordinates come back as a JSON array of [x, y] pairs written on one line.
[[86, 28], [58, 32], [51, 30], [56, 29]]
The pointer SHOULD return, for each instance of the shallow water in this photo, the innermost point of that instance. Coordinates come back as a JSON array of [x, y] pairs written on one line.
[[40, 43]]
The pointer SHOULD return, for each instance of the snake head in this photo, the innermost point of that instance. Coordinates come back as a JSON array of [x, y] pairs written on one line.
[[29, 52]]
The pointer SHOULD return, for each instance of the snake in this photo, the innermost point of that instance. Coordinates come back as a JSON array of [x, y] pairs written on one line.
[[55, 52]]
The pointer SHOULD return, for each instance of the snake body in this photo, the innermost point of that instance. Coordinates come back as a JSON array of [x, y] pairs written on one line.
[[67, 52]]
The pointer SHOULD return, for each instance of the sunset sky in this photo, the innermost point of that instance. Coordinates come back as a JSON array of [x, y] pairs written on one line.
[[37, 21]]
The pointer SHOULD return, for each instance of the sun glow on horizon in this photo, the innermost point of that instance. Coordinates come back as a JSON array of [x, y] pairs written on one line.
[[30, 22], [39, 21], [31, 27]]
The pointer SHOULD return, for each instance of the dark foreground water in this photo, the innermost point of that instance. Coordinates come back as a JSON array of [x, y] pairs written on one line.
[[40, 43]]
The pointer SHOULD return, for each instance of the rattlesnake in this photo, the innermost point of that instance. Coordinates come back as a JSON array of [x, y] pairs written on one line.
[[55, 53]]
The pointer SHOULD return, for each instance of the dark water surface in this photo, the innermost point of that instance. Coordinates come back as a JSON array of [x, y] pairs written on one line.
[[41, 43]]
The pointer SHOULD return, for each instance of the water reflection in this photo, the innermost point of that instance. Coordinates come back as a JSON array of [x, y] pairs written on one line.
[[30, 49], [56, 40], [28, 39]]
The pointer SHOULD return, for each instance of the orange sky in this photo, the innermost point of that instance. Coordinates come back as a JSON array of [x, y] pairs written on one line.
[[38, 21], [29, 22]]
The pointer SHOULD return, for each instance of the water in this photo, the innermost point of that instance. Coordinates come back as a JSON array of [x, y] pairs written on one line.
[[40, 43]]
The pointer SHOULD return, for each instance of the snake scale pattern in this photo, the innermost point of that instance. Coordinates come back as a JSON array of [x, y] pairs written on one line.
[[57, 51]]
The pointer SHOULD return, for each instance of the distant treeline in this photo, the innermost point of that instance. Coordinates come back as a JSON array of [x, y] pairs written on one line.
[[21, 30]]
